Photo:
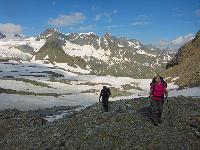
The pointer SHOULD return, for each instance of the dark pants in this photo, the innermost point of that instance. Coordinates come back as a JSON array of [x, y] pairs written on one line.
[[156, 109], [105, 103]]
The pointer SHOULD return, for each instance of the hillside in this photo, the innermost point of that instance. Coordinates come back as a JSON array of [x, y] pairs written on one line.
[[186, 64], [125, 126]]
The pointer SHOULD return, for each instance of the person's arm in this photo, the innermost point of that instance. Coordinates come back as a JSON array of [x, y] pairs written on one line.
[[100, 96], [151, 91], [109, 92], [166, 92]]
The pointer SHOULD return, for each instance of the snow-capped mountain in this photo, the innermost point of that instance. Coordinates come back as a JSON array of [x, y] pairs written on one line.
[[15, 46], [10, 36], [107, 55]]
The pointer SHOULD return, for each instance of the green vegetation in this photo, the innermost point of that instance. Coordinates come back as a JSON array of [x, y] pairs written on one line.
[[117, 92], [53, 74], [33, 82], [129, 86], [65, 81], [93, 84], [10, 91], [90, 91]]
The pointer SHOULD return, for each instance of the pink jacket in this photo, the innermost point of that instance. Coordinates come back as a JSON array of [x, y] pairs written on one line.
[[158, 90]]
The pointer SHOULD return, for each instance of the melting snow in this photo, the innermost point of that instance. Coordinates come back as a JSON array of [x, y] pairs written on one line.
[[86, 51]]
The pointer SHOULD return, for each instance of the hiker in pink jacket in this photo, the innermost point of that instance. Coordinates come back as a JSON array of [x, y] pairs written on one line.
[[158, 89]]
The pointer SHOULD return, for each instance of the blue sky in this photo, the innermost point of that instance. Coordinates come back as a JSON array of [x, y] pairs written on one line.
[[147, 20]]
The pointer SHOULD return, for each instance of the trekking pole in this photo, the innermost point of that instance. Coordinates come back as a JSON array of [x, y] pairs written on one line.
[[169, 112]]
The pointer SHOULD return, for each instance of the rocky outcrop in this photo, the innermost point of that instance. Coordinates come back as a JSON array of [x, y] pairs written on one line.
[[2, 36], [186, 64], [53, 51], [125, 126]]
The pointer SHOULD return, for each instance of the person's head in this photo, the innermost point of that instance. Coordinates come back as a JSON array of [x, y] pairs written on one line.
[[104, 87], [157, 79]]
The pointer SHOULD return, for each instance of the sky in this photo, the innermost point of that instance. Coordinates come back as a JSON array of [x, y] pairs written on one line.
[[162, 22]]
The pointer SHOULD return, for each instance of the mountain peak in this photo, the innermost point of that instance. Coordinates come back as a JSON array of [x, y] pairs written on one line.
[[48, 33], [197, 38], [50, 30], [107, 35]]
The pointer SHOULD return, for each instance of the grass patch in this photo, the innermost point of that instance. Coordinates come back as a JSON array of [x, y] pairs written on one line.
[[8, 77], [93, 84], [88, 83], [90, 91], [11, 91], [117, 92], [4, 60], [129, 86], [33, 82], [28, 75], [14, 71], [65, 81], [53, 74]]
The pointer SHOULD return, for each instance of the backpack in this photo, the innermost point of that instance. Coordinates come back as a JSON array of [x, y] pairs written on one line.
[[105, 92]]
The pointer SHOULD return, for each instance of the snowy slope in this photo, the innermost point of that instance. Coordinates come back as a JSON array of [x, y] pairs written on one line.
[[19, 47]]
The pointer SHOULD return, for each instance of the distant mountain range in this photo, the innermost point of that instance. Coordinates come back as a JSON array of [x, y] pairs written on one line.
[[107, 55]]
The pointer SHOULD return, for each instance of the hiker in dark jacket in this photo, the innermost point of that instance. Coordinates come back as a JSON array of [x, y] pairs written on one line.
[[158, 89], [105, 93]]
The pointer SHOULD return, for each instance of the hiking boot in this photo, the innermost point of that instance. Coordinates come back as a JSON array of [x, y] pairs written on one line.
[[155, 124]]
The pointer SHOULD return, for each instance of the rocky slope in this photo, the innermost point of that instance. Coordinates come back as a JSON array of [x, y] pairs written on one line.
[[125, 126], [186, 64]]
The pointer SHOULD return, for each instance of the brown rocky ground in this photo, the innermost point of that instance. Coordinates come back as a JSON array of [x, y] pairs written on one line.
[[186, 64], [125, 126]]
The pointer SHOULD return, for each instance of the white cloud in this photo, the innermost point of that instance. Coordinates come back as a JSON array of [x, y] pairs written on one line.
[[177, 12], [98, 17], [106, 14], [141, 20], [111, 27], [197, 12], [109, 20], [10, 28], [54, 3], [94, 8], [176, 43], [115, 11], [88, 27], [67, 20], [139, 23]]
